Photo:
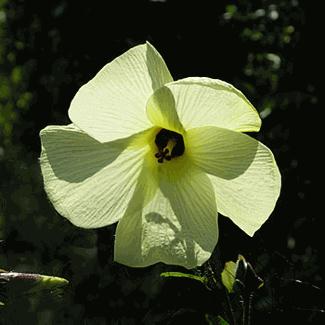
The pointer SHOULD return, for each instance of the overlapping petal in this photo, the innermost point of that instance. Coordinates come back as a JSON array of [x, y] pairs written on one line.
[[176, 225], [88, 182], [243, 172], [205, 102], [112, 105], [221, 152], [162, 112]]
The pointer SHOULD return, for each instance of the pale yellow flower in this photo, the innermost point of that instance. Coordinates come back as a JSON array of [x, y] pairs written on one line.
[[112, 164]]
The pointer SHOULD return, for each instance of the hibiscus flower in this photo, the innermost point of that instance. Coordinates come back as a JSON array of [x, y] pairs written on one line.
[[161, 158]]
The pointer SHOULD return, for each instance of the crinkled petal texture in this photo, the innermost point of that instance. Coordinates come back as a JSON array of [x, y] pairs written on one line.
[[112, 105], [90, 183], [197, 102], [243, 172], [172, 218]]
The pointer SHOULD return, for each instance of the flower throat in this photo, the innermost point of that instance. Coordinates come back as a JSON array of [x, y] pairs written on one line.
[[170, 144]]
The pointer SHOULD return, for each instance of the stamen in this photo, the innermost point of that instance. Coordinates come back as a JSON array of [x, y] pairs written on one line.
[[170, 145]]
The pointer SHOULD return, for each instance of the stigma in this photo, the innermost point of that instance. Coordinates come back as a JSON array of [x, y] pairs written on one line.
[[170, 145]]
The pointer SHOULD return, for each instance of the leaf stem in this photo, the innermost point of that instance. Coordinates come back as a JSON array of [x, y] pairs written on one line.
[[232, 313], [247, 308]]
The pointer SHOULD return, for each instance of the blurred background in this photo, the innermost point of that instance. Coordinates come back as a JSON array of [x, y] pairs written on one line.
[[268, 49]]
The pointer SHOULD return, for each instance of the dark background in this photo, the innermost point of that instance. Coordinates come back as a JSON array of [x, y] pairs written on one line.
[[268, 49]]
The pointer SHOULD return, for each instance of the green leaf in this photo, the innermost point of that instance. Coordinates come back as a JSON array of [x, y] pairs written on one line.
[[222, 321], [201, 279], [231, 9], [228, 275], [215, 320], [241, 273]]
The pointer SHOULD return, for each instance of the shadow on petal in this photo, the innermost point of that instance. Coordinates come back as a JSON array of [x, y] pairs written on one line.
[[159, 228], [180, 240], [161, 110], [74, 156], [220, 152], [237, 165]]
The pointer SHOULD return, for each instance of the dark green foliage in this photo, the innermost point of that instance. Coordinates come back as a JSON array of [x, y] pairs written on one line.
[[268, 49]]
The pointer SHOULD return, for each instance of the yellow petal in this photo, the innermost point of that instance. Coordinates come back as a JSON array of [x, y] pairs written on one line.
[[113, 104], [221, 152], [243, 172], [88, 182], [177, 226], [211, 102], [162, 112]]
